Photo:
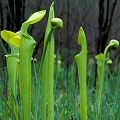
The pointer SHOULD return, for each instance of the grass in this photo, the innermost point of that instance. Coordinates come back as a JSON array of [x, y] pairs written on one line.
[[66, 100], [111, 97]]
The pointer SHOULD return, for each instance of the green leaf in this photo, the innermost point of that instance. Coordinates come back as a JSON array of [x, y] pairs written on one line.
[[108, 61], [37, 16], [16, 41], [99, 58], [34, 18], [82, 37], [7, 35]]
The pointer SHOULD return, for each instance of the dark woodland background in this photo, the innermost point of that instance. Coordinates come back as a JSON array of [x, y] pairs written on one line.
[[99, 18]]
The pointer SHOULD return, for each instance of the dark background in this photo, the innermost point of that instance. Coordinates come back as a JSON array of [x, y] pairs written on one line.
[[99, 18]]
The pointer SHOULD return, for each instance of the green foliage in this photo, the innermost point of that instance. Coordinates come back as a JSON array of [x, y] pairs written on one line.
[[101, 59], [48, 65], [26, 43], [81, 60], [43, 93], [7, 35]]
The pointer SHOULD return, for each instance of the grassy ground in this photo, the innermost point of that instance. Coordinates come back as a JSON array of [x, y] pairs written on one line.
[[66, 88], [67, 93]]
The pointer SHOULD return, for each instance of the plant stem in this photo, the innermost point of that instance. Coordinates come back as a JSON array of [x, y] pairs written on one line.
[[12, 71], [81, 60], [101, 70], [101, 82], [51, 78], [48, 69], [26, 50]]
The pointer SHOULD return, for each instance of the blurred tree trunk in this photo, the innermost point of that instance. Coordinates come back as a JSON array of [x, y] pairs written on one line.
[[106, 13], [16, 13], [1, 14]]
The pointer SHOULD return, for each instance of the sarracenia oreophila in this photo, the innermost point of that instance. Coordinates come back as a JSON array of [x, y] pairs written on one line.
[[81, 60], [26, 44], [11, 60], [101, 60], [47, 65]]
